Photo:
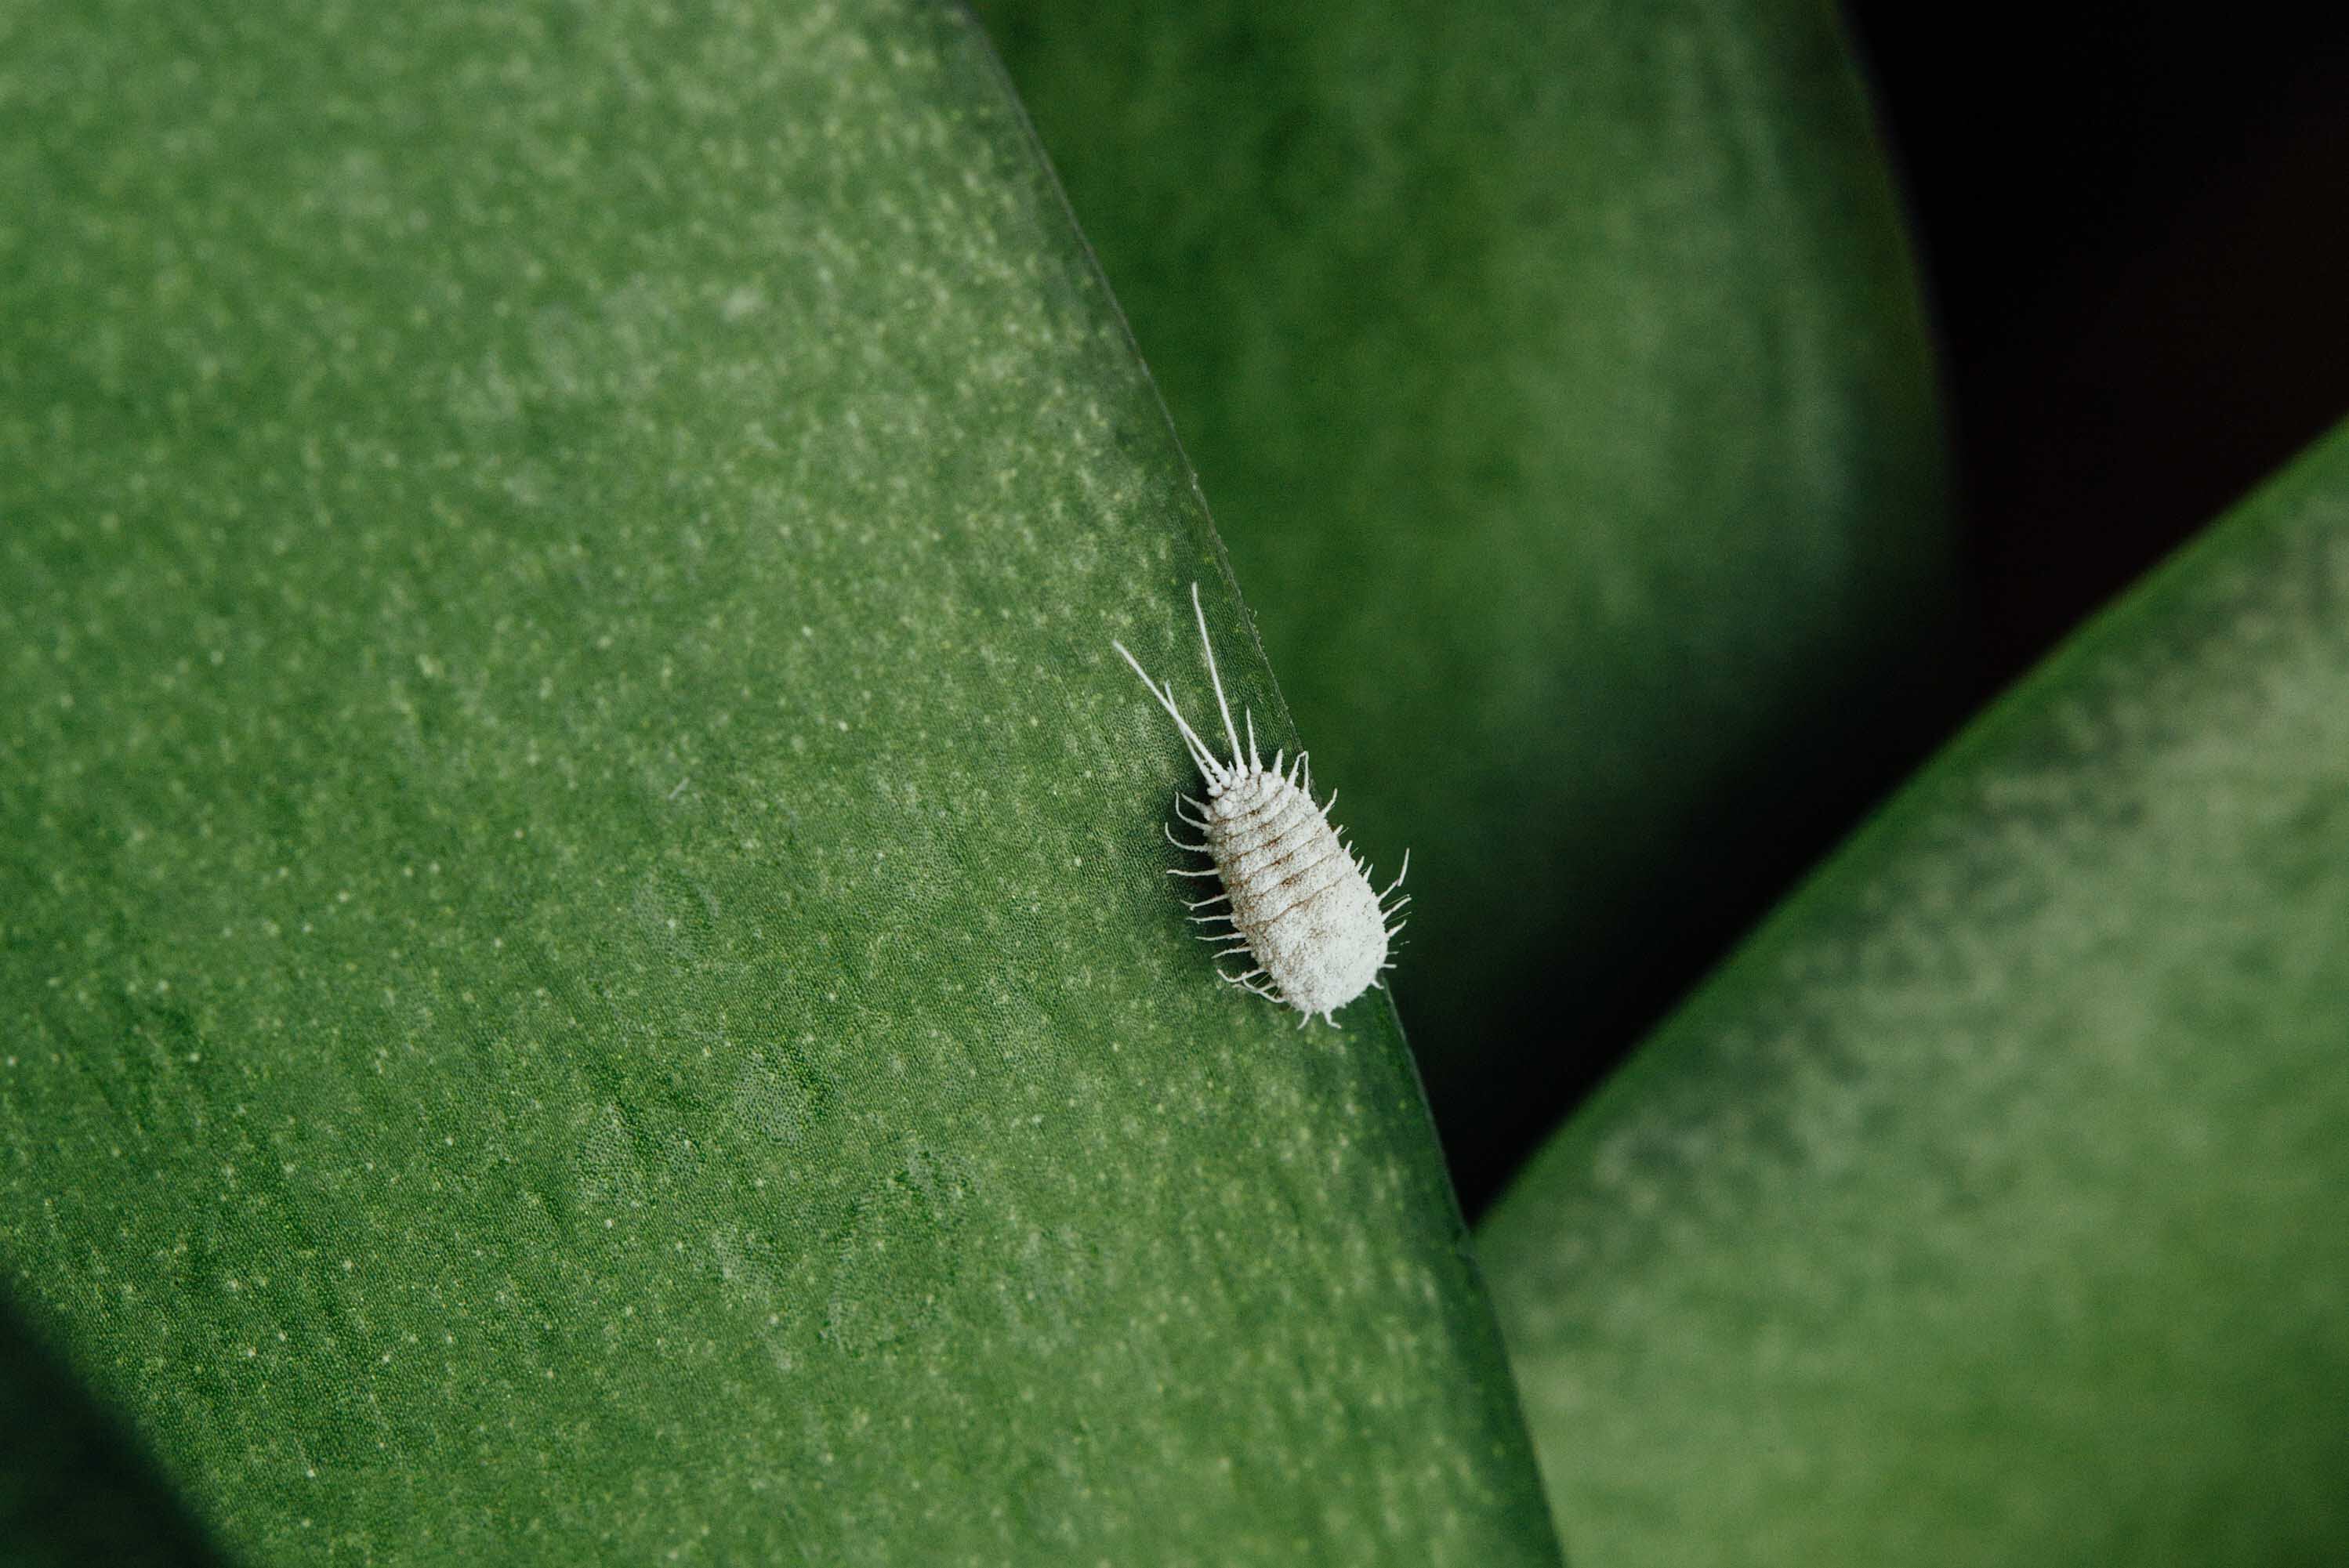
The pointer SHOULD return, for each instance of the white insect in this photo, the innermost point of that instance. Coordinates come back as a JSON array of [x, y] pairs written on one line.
[[1299, 903]]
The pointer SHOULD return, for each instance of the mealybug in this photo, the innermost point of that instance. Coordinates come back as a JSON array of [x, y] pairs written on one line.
[[1298, 901]]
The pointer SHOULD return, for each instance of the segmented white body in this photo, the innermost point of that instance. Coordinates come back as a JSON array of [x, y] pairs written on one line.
[[1297, 900]]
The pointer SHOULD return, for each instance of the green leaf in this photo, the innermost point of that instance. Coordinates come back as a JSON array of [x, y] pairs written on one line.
[[1987, 1207], [588, 961], [1558, 376]]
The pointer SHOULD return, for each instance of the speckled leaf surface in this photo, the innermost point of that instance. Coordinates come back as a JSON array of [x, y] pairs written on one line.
[[1987, 1207], [1558, 374], [586, 962]]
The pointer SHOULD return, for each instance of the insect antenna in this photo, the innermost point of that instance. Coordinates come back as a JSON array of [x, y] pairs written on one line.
[[1215, 676], [1216, 772]]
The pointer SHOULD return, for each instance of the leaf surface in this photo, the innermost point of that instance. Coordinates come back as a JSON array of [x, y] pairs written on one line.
[[588, 968], [1986, 1207], [1558, 374]]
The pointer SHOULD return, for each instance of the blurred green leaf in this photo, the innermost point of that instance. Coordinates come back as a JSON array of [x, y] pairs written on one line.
[[1988, 1206], [1558, 376], [589, 970]]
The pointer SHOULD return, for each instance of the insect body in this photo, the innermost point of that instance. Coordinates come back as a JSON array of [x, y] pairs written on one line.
[[1295, 898]]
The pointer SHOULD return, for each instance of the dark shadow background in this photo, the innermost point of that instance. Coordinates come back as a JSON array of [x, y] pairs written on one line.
[[76, 1491], [2133, 227], [2134, 230]]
